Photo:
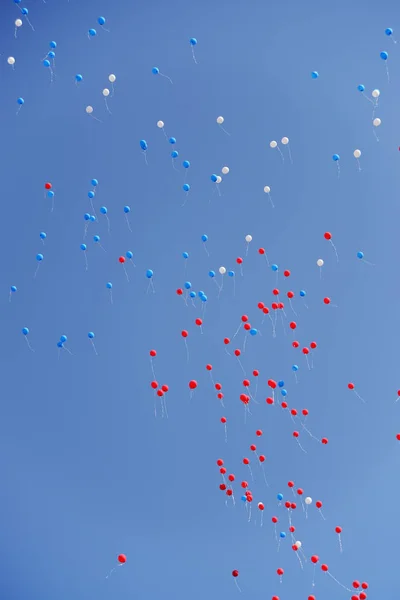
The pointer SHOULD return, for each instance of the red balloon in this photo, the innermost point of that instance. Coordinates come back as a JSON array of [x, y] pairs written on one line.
[[246, 383], [295, 434], [247, 326], [165, 388], [356, 584], [259, 432], [324, 568], [235, 573], [313, 345], [304, 412], [260, 506], [300, 492], [261, 251], [295, 344], [269, 400], [179, 291], [239, 260], [275, 292], [122, 259], [290, 295], [193, 384], [231, 477], [327, 235], [350, 386], [220, 396], [327, 300], [398, 437], [237, 352], [255, 373], [261, 305], [311, 597], [286, 273], [324, 441], [293, 505], [218, 386], [261, 458], [338, 529], [292, 529], [209, 367], [265, 310], [160, 393], [293, 412], [272, 383], [122, 558], [274, 519], [184, 333], [253, 447], [306, 350], [364, 585], [199, 322], [318, 504], [47, 186], [220, 462], [154, 385], [291, 484], [314, 559], [284, 404], [245, 318], [280, 572], [275, 597], [227, 341], [246, 461], [293, 325], [222, 487], [355, 597], [363, 596], [153, 353]]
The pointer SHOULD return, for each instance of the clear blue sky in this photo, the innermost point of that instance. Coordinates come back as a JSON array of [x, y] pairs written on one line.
[[87, 470]]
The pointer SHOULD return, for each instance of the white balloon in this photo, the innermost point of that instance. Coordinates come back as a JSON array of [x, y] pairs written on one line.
[[220, 120], [222, 270], [106, 92], [357, 153], [267, 189], [376, 93], [11, 60], [89, 110], [160, 124], [248, 238], [225, 170], [298, 545], [219, 179], [308, 500], [285, 140], [112, 78], [18, 23], [273, 144], [320, 262], [376, 122]]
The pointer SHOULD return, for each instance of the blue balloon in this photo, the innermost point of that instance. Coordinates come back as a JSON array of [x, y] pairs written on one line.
[[103, 210], [24, 11], [203, 298], [127, 209], [96, 238], [17, 1], [188, 285], [25, 330], [192, 294], [314, 75], [155, 70], [101, 20], [214, 178], [20, 101], [53, 45], [39, 257], [243, 498], [43, 235], [92, 218], [92, 32], [389, 31], [201, 293], [63, 339], [282, 535], [384, 55], [50, 194], [193, 41], [91, 194], [204, 237], [86, 216], [186, 187], [94, 182], [109, 285], [281, 383], [231, 273], [78, 77], [185, 254], [279, 496], [284, 392], [275, 268], [172, 140], [46, 63], [13, 289], [211, 273], [361, 87], [143, 144], [60, 345], [51, 54], [175, 154], [83, 247], [90, 335], [149, 273], [186, 164], [302, 293], [295, 368], [253, 331], [360, 254], [335, 157], [129, 254]]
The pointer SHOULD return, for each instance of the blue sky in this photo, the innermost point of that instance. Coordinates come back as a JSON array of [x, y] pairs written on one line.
[[87, 470]]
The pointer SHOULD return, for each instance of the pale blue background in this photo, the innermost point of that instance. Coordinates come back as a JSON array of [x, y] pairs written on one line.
[[87, 470]]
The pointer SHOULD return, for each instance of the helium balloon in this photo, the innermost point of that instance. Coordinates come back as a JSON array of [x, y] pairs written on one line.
[[156, 71], [89, 111], [193, 43], [11, 61], [106, 93], [285, 142], [314, 75], [92, 33], [225, 170], [220, 121]]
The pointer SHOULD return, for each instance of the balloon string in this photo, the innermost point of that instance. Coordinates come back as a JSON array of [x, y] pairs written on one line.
[[29, 346], [94, 348], [338, 582]]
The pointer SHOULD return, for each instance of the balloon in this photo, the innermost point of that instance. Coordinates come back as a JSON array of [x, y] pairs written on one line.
[[112, 78], [193, 41], [25, 330], [248, 238], [78, 77], [384, 55], [20, 101], [172, 140], [375, 93], [18, 22], [314, 75], [225, 170], [273, 144], [308, 500], [267, 189], [186, 164], [357, 153], [360, 254], [220, 120], [193, 384], [155, 70], [361, 87], [143, 145], [101, 20], [222, 270], [89, 110], [91, 335], [160, 124], [320, 262], [376, 122], [43, 235], [106, 92], [39, 257], [11, 60], [149, 273], [186, 187], [122, 558], [92, 33], [285, 141], [336, 157]]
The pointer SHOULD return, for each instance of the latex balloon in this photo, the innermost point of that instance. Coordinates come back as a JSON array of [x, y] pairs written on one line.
[[11, 60], [376, 122], [357, 153], [285, 140], [89, 110], [106, 92], [220, 120], [308, 500], [112, 78], [267, 189], [376, 93], [222, 270], [225, 170], [18, 23], [160, 124], [273, 144], [248, 238], [320, 262]]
